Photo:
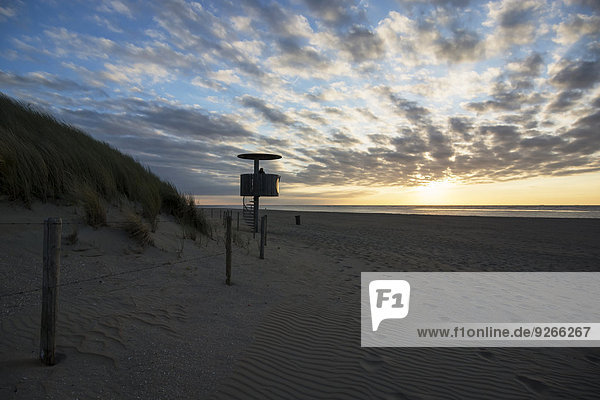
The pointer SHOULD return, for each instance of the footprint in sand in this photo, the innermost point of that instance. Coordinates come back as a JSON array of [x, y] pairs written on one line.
[[488, 355], [533, 385], [371, 363], [593, 359]]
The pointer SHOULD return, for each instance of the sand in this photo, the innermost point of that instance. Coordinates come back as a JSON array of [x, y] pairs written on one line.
[[288, 327]]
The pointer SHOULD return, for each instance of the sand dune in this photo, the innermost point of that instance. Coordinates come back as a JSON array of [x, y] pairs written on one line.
[[289, 325]]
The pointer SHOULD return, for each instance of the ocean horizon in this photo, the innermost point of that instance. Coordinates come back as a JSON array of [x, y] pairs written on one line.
[[525, 211]]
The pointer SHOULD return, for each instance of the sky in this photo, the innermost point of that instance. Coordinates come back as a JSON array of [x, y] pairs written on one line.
[[368, 102]]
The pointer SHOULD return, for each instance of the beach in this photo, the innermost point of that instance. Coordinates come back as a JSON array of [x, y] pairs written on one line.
[[160, 322]]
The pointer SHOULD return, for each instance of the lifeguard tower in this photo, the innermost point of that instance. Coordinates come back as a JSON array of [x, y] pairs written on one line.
[[256, 185]]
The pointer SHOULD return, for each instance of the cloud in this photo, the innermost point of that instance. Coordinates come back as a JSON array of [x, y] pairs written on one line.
[[282, 23], [269, 112], [190, 147], [529, 67], [108, 24], [193, 123], [197, 181], [115, 6], [37, 80], [424, 40], [296, 50], [493, 105], [440, 146], [406, 108], [526, 119], [592, 4], [362, 44], [299, 57], [343, 139], [380, 139], [367, 113], [463, 45], [439, 3], [577, 74], [137, 117], [334, 110], [576, 27], [565, 100], [154, 62], [503, 137], [497, 152], [136, 73], [338, 14], [583, 136], [515, 89], [314, 117], [204, 39], [348, 31], [194, 146], [202, 82], [7, 12], [514, 22], [542, 142], [410, 143], [225, 76], [461, 125]]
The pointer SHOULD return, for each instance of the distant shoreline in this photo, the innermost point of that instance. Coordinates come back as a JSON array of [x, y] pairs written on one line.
[[518, 211]]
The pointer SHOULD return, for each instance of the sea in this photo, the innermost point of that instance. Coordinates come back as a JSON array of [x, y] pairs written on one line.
[[542, 211]]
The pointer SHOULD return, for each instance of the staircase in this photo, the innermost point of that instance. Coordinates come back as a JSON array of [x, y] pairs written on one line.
[[248, 213]]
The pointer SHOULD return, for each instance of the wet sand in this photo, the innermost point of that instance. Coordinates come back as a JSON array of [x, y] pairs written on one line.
[[288, 327]]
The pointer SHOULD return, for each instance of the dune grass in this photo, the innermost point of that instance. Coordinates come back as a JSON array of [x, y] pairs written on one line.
[[44, 159], [137, 230]]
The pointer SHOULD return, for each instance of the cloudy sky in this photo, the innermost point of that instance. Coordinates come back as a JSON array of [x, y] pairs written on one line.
[[368, 102]]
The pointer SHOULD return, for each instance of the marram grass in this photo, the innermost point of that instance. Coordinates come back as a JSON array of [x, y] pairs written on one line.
[[44, 159]]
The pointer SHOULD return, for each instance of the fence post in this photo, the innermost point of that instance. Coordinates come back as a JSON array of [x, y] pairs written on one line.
[[262, 236], [228, 251], [51, 272], [266, 229]]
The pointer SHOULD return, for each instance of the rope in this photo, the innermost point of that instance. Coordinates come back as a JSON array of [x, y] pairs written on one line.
[[63, 222], [114, 274]]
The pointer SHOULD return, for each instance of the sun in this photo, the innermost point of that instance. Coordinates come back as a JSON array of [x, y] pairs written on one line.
[[434, 192]]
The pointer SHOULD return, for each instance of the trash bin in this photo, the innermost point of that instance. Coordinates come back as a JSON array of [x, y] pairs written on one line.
[[297, 219]]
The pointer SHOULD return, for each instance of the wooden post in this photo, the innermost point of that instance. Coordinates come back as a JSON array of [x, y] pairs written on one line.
[[256, 214], [256, 188], [238, 221], [211, 212], [51, 257], [262, 237], [266, 229], [228, 251]]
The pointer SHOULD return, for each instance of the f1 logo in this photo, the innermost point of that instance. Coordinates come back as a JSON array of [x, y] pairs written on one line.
[[389, 299]]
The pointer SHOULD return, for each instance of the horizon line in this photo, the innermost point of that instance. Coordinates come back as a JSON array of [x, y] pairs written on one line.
[[414, 205]]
